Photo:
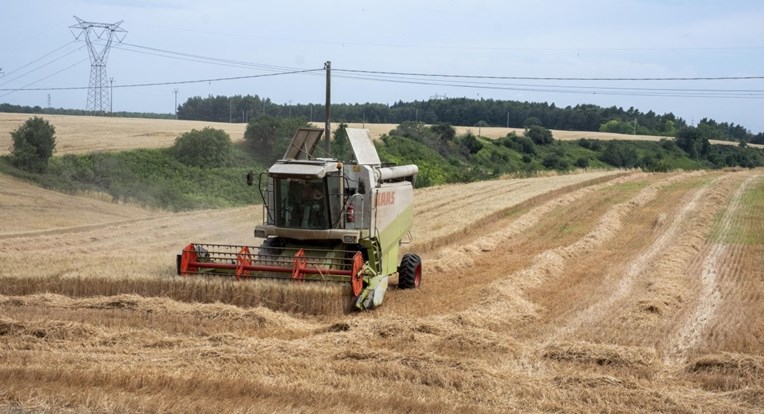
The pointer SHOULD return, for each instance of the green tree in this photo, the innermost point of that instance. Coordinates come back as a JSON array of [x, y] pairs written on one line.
[[267, 137], [209, 147], [582, 162], [540, 135], [445, 131], [260, 136], [471, 143], [693, 142], [34, 142], [341, 147], [617, 126], [619, 154], [531, 121]]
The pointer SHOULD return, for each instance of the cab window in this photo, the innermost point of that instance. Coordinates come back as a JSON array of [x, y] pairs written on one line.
[[301, 203]]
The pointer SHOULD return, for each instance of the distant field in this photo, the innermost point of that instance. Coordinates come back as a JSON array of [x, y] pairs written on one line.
[[376, 130], [82, 134]]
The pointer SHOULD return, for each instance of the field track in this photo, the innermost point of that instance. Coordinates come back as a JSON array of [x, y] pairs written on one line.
[[602, 291]]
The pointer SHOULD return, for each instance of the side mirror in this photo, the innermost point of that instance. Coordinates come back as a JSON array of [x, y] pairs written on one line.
[[250, 178]]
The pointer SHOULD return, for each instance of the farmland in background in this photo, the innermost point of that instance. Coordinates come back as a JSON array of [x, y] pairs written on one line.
[[84, 134]]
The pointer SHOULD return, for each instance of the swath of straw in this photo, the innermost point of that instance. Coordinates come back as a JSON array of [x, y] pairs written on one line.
[[303, 298]]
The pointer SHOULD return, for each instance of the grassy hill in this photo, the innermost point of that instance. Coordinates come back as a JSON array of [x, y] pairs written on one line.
[[158, 177]]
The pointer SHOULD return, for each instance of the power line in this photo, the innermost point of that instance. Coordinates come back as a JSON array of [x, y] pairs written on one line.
[[375, 72], [395, 77], [41, 79], [230, 62], [41, 66], [540, 87], [590, 87], [40, 58], [410, 45], [227, 62], [559, 89], [139, 85], [445, 80]]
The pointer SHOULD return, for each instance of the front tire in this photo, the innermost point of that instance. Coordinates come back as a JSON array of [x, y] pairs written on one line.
[[410, 272]]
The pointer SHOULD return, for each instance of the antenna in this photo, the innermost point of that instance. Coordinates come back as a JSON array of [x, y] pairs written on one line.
[[94, 34]]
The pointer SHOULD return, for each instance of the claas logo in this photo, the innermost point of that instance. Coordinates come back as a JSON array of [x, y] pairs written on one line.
[[386, 199]]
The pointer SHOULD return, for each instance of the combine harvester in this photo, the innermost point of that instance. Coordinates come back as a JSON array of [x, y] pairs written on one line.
[[325, 221]]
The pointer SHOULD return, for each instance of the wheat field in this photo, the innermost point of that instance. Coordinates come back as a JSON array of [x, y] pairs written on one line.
[[83, 134], [616, 291]]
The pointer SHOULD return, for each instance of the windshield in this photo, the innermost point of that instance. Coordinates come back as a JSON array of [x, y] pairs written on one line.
[[301, 203]]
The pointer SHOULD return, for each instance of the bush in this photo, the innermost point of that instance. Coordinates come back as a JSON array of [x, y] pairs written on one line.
[[619, 155], [582, 162], [209, 147], [471, 143], [555, 161], [523, 145], [693, 142], [540, 135], [33, 144], [444, 131], [590, 144]]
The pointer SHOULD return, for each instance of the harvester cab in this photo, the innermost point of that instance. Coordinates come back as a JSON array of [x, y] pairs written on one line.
[[325, 220]]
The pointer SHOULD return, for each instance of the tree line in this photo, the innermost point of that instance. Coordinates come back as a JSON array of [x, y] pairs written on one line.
[[22, 109], [453, 111], [465, 111]]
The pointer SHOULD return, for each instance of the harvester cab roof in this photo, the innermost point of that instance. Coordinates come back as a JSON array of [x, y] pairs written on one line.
[[326, 220]]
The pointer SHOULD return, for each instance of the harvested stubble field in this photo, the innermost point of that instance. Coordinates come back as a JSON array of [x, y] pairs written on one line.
[[601, 291]]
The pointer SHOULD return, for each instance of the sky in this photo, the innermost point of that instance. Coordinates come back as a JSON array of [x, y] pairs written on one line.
[[509, 49]]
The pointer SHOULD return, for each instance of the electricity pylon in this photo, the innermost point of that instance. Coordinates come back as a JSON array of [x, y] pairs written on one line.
[[98, 37]]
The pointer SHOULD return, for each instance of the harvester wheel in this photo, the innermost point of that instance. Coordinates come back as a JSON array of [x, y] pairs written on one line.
[[357, 276], [410, 272]]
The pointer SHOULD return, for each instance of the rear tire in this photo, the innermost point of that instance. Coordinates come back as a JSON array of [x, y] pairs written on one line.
[[410, 272]]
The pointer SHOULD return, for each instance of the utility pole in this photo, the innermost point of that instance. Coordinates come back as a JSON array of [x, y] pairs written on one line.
[[229, 110], [175, 91], [328, 68], [49, 105], [98, 97], [508, 119], [111, 95]]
